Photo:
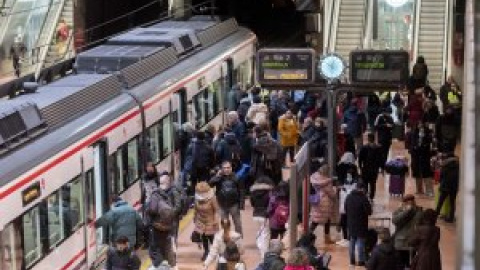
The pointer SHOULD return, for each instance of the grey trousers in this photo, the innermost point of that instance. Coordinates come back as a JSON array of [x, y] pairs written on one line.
[[161, 248], [234, 211]]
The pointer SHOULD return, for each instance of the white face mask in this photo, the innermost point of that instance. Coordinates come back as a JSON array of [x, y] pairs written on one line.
[[349, 178]]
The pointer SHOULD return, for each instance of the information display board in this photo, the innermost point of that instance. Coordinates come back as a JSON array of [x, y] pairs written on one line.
[[371, 66], [285, 66]]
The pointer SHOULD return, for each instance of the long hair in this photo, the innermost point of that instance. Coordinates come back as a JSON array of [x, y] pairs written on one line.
[[226, 225]]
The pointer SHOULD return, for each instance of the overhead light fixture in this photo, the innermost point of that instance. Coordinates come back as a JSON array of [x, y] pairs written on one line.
[[396, 3]]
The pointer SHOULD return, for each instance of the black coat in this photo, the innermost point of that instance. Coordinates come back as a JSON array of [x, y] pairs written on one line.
[[273, 261], [449, 175], [421, 152], [369, 160], [357, 208], [260, 196], [384, 126], [217, 181], [343, 169], [383, 257]]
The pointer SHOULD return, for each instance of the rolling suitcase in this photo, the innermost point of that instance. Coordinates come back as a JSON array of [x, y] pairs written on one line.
[[397, 185]]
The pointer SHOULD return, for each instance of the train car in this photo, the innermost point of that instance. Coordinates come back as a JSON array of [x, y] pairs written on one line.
[[67, 147]]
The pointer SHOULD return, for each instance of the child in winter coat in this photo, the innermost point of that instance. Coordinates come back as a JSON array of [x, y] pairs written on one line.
[[205, 219], [349, 185], [279, 210], [220, 242]]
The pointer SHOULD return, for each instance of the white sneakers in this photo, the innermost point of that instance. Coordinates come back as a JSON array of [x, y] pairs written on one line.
[[342, 243]]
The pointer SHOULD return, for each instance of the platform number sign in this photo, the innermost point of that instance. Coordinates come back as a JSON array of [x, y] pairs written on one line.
[[372, 66], [285, 66]]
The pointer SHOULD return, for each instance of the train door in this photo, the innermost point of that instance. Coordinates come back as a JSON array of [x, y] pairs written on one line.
[[180, 116], [97, 196], [227, 87]]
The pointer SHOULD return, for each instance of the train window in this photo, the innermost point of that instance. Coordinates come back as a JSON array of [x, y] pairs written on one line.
[[176, 129], [244, 74], [132, 161], [199, 108], [73, 205], [154, 143], [120, 179], [31, 236], [166, 136], [211, 97], [56, 207], [90, 186]]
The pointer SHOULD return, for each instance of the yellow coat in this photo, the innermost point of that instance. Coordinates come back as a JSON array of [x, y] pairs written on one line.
[[288, 130]]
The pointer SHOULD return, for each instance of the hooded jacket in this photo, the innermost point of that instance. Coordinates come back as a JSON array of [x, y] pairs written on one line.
[[206, 209], [257, 113], [357, 208], [383, 257], [326, 208], [260, 196], [266, 146], [449, 175], [289, 132], [124, 220]]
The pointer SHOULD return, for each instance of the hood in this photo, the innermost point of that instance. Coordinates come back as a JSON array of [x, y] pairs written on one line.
[[319, 180], [347, 158], [261, 186]]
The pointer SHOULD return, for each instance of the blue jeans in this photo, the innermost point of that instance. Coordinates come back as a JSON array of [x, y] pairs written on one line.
[[360, 243]]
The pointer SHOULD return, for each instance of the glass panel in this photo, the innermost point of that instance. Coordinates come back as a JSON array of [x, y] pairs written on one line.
[[395, 27], [153, 143], [55, 211], [133, 164], [199, 107], [91, 194], [120, 183], [176, 129], [11, 255], [166, 136], [73, 212], [31, 236]]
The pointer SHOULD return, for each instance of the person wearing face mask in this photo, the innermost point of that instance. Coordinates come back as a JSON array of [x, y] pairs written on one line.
[[121, 256], [289, 133], [405, 219], [420, 142]]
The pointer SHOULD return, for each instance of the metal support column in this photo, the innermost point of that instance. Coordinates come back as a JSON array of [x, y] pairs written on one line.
[[331, 127]]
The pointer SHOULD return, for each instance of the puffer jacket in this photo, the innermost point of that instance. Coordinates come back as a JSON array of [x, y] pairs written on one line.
[[289, 132], [260, 196], [383, 257], [124, 220], [257, 113], [206, 209], [327, 208]]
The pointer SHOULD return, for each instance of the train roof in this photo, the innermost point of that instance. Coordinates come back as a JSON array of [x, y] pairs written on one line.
[[73, 107]]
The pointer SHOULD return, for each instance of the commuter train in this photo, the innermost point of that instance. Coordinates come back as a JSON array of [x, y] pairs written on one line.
[[67, 147]]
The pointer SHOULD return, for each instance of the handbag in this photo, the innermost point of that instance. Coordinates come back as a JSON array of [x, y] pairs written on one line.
[[196, 237]]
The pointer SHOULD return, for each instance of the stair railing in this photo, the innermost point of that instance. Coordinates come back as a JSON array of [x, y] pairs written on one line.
[[48, 43], [416, 30], [447, 57], [368, 26]]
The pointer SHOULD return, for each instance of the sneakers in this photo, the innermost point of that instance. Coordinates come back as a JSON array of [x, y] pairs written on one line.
[[343, 243]]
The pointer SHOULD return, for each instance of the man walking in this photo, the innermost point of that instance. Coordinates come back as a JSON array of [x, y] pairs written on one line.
[[369, 161]]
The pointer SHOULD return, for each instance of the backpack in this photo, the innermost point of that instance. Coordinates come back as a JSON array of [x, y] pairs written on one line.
[[162, 213], [281, 213], [235, 155], [178, 190], [229, 192]]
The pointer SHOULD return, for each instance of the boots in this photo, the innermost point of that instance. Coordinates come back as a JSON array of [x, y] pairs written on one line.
[[328, 240]]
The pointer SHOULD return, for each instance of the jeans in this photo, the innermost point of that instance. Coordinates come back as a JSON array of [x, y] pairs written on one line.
[[234, 211], [343, 225], [359, 242], [161, 248], [370, 179]]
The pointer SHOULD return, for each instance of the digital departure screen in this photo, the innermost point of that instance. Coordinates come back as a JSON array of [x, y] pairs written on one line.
[[285, 66], [372, 66]]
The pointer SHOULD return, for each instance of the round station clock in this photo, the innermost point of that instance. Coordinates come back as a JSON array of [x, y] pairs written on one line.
[[331, 66]]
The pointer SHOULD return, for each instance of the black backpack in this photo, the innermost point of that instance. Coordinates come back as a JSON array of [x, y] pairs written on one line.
[[229, 192]]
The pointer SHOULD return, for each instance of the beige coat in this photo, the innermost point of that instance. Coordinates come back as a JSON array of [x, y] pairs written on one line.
[[205, 219], [327, 208]]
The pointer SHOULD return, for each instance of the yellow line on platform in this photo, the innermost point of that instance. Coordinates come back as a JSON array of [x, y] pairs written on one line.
[[181, 227]]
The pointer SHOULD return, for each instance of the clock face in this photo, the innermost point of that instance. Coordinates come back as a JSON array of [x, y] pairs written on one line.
[[332, 66]]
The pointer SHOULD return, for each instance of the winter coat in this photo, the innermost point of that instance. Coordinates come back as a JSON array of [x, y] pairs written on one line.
[[357, 208], [327, 208], [260, 196], [273, 261], [217, 181], [274, 202], [126, 260], [384, 126], [227, 148], [176, 200], [307, 133], [289, 132], [383, 257], [242, 108], [266, 146], [369, 160], [355, 121], [218, 246], [449, 88], [447, 129], [343, 169], [421, 153], [123, 220], [414, 110], [431, 114], [205, 219], [345, 143], [405, 221], [450, 175], [239, 130], [426, 239], [257, 113]]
